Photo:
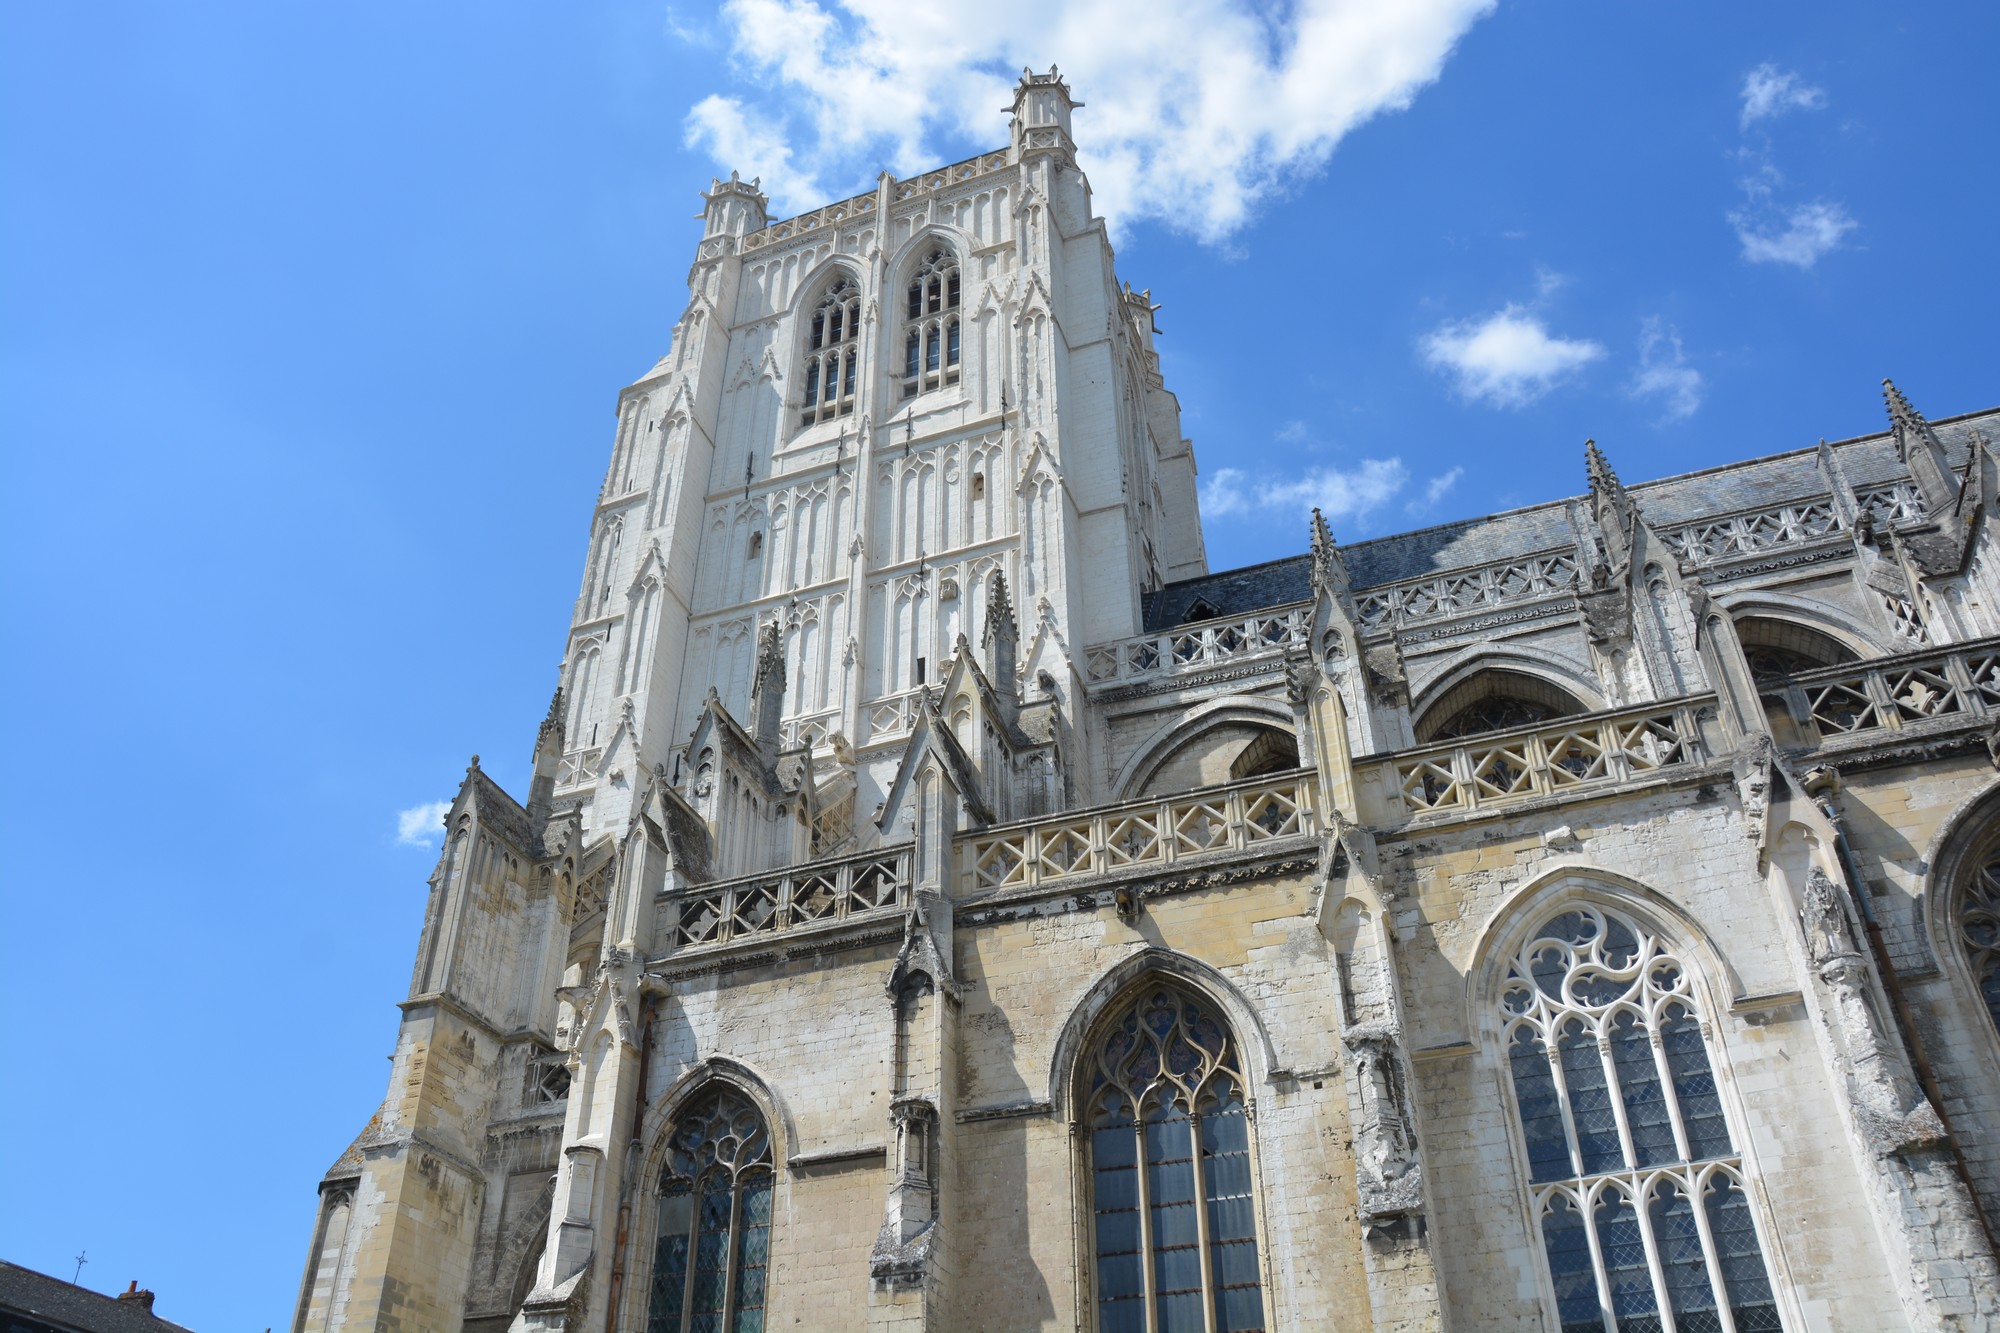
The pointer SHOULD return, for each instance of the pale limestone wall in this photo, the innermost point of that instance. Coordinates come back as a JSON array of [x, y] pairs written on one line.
[[1657, 858]]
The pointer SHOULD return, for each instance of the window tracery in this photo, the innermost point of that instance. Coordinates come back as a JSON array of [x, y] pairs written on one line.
[[1493, 699], [833, 353], [1978, 921], [1639, 1193], [1174, 1226], [712, 1251], [931, 338]]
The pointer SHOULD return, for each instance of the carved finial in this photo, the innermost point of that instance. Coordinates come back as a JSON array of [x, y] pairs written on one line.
[[473, 766], [1322, 535], [770, 655], [999, 609], [1906, 423], [1602, 478]]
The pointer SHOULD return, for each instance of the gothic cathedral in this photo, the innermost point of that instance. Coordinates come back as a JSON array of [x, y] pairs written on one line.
[[941, 903]]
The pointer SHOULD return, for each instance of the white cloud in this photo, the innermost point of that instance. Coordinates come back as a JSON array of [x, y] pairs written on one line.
[[1800, 238], [1436, 489], [1508, 359], [1340, 494], [422, 825], [1197, 109], [1769, 91], [753, 146], [1664, 372]]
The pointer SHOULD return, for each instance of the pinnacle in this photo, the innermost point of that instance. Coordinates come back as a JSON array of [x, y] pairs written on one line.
[[1901, 413], [1602, 478], [1322, 535]]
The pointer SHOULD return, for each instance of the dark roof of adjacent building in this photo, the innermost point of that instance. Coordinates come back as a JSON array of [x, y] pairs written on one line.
[[1761, 483], [68, 1308]]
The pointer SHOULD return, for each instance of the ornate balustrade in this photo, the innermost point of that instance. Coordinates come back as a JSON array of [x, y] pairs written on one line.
[[1548, 759], [812, 729], [1760, 530], [1898, 502], [1196, 647], [1460, 592], [781, 900], [891, 715], [1140, 834], [1892, 693], [579, 766]]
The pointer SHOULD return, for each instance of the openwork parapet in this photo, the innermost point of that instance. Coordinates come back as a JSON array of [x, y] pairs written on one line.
[[1197, 647], [1893, 693], [1528, 579], [1603, 749], [781, 900], [1142, 834]]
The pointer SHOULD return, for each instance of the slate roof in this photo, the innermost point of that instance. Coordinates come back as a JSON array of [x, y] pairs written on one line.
[[1760, 483], [73, 1309]]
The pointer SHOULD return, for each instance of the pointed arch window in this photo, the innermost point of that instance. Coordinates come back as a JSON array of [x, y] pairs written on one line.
[[833, 352], [1174, 1231], [712, 1252], [1638, 1189], [1978, 922], [931, 334]]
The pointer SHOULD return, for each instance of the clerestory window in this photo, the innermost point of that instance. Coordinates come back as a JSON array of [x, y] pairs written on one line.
[[1639, 1192], [931, 333], [833, 353], [1173, 1208], [713, 1249]]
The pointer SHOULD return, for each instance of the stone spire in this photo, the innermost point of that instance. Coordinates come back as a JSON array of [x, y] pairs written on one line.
[[1613, 509], [1000, 639], [1328, 569], [549, 742], [1920, 449], [767, 690]]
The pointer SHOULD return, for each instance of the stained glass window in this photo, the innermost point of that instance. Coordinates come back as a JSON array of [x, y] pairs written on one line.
[[931, 341], [1174, 1217], [833, 350], [1637, 1185], [713, 1245]]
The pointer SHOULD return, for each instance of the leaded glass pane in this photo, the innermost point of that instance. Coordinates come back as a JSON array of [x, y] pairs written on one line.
[[1734, 1232], [1541, 1109], [1232, 1226], [1677, 1237], [753, 1249], [1589, 1099], [1626, 1275], [1646, 1115], [1694, 1084], [1570, 1267], [670, 1256]]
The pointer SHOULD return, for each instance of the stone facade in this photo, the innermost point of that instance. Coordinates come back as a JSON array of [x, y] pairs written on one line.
[[1531, 922]]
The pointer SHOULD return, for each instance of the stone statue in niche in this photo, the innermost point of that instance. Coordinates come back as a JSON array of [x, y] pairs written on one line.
[[1824, 920], [1391, 1177]]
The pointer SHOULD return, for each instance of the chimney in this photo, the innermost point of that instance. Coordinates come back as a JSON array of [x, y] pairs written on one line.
[[133, 1296]]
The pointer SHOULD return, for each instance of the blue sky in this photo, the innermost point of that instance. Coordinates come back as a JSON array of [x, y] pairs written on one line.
[[314, 318]]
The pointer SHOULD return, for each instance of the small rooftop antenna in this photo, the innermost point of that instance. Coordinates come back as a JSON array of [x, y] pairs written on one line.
[[80, 1262]]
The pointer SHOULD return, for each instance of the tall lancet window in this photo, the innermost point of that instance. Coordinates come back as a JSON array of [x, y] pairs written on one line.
[[833, 349], [931, 338], [1978, 919], [714, 1242], [1175, 1230], [1638, 1189]]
